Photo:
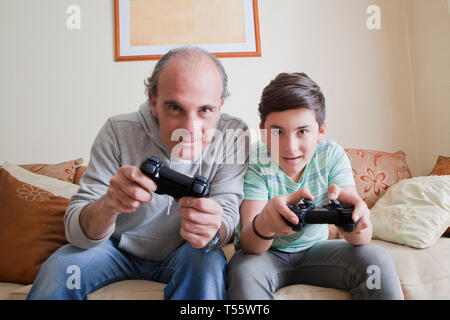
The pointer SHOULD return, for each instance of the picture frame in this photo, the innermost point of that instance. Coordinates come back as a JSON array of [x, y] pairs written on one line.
[[147, 29]]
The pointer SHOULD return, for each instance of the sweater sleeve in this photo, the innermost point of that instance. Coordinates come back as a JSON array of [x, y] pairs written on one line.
[[227, 185], [103, 165]]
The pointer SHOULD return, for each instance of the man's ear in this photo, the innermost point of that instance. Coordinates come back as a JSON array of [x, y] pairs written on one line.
[[263, 132], [152, 100], [221, 104], [322, 133]]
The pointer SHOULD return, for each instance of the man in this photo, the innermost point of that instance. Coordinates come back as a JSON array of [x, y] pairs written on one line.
[[131, 232]]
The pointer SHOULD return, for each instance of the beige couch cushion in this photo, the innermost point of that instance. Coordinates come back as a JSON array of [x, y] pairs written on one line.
[[130, 290], [307, 292], [6, 288], [423, 273]]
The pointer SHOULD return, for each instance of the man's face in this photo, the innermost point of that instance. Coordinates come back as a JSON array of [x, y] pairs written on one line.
[[187, 106], [292, 137]]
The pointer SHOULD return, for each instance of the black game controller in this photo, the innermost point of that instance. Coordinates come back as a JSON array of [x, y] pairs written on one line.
[[331, 213], [173, 183]]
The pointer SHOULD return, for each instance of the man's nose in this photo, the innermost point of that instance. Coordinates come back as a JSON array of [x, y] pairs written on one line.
[[194, 126]]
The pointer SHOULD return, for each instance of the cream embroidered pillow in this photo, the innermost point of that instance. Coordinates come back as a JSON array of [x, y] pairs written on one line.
[[414, 212]]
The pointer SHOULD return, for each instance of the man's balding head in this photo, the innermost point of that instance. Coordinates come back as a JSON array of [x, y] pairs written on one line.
[[186, 57]]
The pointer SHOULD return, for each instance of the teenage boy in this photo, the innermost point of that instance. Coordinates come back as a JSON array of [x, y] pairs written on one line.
[[292, 163]]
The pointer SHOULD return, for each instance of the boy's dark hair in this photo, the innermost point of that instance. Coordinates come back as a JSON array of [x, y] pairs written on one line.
[[292, 91]]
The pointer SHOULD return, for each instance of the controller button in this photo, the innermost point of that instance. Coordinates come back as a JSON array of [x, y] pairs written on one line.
[[198, 188], [335, 203]]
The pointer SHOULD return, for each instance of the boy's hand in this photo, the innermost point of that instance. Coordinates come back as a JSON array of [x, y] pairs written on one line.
[[200, 220], [271, 221], [361, 213]]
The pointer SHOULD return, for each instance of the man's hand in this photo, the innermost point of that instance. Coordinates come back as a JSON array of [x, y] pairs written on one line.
[[200, 220], [361, 214], [128, 190], [270, 221]]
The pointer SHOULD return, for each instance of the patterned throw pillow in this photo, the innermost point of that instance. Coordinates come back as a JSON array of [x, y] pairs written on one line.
[[32, 208], [375, 171], [64, 171], [79, 171]]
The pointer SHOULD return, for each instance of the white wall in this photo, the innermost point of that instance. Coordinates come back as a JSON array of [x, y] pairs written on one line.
[[429, 34], [58, 86]]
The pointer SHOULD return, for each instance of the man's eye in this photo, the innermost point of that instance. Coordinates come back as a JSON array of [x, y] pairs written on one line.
[[205, 110], [173, 107], [302, 132]]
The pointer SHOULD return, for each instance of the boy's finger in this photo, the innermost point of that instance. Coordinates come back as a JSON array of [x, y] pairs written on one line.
[[334, 192], [295, 197]]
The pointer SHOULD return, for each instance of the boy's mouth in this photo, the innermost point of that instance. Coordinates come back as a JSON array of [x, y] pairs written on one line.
[[291, 159]]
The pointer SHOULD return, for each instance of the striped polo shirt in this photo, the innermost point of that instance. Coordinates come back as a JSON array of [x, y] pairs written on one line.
[[265, 180]]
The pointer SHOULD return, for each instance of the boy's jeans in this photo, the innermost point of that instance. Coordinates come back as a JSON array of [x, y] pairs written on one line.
[[72, 273], [366, 272]]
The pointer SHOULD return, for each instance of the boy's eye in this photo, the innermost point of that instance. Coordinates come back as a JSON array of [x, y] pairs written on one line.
[[276, 132]]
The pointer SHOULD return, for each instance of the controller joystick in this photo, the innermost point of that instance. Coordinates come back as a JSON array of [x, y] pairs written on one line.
[[173, 183], [332, 213]]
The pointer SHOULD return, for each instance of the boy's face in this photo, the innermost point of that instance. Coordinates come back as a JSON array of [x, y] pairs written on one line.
[[292, 137]]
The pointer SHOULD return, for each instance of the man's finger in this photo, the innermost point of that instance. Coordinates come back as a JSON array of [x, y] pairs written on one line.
[[135, 174], [206, 205], [195, 216]]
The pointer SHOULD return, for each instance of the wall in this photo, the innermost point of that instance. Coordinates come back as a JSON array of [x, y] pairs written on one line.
[[58, 86], [429, 38]]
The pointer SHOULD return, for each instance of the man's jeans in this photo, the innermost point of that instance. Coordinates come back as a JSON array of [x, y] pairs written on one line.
[[72, 273], [366, 272]]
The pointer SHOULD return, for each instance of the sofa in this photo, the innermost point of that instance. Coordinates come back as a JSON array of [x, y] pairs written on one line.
[[411, 218]]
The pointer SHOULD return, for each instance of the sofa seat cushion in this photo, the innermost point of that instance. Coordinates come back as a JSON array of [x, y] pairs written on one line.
[[423, 273], [130, 290], [307, 292], [6, 288]]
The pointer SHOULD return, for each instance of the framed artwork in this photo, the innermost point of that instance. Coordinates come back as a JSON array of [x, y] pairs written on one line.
[[147, 29]]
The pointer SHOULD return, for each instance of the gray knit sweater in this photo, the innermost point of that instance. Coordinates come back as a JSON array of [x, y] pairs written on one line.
[[152, 231]]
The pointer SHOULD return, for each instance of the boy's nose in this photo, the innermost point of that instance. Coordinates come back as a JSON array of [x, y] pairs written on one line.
[[291, 145]]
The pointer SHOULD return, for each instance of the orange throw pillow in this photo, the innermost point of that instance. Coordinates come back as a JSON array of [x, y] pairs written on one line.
[[375, 171], [79, 171], [442, 166], [32, 209]]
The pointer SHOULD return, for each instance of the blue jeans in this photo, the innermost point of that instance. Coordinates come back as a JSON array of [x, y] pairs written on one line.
[[72, 273]]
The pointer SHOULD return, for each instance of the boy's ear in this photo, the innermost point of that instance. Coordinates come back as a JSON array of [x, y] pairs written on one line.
[[322, 133], [263, 133]]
